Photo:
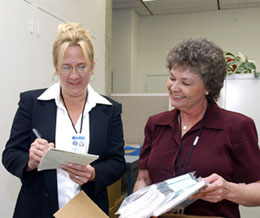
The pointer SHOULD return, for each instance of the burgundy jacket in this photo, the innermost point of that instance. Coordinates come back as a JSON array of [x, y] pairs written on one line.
[[228, 146]]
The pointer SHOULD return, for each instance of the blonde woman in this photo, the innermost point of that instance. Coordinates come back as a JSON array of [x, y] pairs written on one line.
[[70, 115]]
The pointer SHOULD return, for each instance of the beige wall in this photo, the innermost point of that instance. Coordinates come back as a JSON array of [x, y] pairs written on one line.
[[121, 50], [233, 30]]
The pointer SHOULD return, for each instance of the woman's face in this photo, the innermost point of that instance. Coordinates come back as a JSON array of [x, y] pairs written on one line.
[[73, 72], [186, 89]]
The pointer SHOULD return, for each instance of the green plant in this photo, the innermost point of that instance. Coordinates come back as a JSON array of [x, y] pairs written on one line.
[[238, 64]]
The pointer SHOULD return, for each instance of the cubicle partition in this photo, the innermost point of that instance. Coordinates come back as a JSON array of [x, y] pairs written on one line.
[[136, 110]]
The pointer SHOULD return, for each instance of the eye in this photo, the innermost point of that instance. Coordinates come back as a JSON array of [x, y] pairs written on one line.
[[66, 68], [186, 83], [81, 67], [172, 78]]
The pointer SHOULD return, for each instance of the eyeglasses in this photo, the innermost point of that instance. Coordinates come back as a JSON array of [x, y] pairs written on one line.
[[67, 69]]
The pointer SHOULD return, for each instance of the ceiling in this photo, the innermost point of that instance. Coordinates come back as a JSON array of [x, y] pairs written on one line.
[[161, 7]]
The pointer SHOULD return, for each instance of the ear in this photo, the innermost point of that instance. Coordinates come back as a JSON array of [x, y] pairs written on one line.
[[93, 67], [206, 91]]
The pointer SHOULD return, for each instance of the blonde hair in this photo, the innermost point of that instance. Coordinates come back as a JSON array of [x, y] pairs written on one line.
[[72, 34]]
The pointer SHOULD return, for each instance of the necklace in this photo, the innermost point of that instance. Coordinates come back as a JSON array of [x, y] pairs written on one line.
[[185, 127]]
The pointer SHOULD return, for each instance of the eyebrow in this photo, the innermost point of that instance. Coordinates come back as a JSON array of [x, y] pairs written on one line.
[[186, 78], [76, 64], [182, 78]]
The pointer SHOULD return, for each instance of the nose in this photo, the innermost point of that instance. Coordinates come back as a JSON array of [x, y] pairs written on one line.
[[74, 73]]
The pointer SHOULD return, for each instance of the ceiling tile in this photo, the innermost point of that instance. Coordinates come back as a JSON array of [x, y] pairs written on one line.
[[233, 4], [160, 7], [180, 6]]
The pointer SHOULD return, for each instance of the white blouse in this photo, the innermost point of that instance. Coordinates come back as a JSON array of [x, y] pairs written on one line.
[[67, 189]]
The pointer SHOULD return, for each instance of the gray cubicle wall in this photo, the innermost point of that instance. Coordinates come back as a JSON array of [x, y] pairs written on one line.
[[136, 110]]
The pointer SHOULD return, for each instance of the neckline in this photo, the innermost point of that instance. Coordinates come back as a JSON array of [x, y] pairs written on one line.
[[82, 113]]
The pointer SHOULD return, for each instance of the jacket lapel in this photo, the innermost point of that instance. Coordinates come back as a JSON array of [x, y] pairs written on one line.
[[46, 123], [98, 123]]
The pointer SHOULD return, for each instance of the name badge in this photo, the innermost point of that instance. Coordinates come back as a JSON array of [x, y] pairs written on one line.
[[78, 144]]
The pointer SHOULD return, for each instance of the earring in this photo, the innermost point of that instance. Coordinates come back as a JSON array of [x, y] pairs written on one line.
[[206, 93], [55, 77]]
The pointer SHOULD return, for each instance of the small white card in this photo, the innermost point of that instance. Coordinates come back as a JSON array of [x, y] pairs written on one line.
[[54, 158]]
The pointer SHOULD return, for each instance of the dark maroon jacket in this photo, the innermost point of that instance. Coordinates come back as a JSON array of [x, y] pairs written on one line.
[[228, 146]]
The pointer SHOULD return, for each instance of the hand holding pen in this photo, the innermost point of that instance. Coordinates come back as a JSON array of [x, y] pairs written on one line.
[[37, 149]]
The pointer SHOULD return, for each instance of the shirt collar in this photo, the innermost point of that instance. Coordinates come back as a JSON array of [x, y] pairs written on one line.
[[166, 118], [93, 96], [53, 92], [213, 119]]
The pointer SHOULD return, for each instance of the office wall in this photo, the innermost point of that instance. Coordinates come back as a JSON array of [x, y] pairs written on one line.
[[121, 46], [28, 29], [125, 48], [233, 30]]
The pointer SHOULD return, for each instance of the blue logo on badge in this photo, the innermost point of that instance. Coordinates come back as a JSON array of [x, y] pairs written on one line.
[[78, 137], [75, 143]]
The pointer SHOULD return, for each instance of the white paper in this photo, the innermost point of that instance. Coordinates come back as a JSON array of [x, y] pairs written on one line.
[[54, 158], [156, 199], [184, 195]]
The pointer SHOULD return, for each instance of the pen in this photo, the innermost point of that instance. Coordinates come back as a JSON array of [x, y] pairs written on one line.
[[36, 133]]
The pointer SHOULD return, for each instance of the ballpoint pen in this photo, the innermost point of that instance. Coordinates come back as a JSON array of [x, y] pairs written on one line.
[[36, 133]]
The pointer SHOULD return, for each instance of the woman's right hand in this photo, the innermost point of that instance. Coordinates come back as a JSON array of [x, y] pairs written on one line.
[[37, 150], [143, 180]]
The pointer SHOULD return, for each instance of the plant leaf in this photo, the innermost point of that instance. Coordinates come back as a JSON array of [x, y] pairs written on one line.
[[240, 64]]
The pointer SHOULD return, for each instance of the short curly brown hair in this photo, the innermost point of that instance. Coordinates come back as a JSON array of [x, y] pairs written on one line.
[[204, 58]]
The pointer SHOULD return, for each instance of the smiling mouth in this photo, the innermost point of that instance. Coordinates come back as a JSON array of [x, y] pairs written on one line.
[[178, 97], [74, 84]]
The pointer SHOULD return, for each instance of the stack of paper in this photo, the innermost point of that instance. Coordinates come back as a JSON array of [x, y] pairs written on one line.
[[159, 198]]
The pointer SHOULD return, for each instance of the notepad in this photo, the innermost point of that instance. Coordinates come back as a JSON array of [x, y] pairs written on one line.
[[54, 158]]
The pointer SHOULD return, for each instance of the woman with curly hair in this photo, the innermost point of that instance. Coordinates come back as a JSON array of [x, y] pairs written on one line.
[[197, 135]]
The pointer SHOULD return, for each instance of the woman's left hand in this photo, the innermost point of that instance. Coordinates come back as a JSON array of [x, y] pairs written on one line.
[[80, 174], [216, 190]]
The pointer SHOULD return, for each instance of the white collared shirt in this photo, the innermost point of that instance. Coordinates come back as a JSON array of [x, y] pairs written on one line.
[[67, 189]]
